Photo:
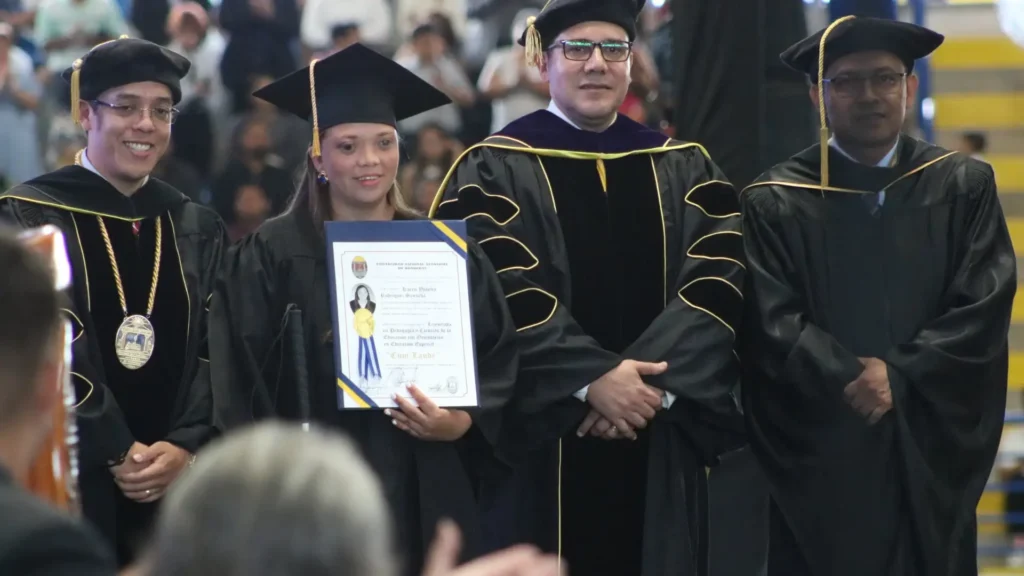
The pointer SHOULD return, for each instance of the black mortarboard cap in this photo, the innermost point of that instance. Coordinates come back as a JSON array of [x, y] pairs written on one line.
[[559, 15], [124, 61], [848, 35], [352, 85], [906, 41]]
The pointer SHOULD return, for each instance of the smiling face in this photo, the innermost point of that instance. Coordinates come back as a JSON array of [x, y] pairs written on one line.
[[590, 91], [360, 161], [867, 98], [124, 142]]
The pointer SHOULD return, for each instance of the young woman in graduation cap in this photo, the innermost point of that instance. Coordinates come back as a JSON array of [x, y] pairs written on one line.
[[429, 459]]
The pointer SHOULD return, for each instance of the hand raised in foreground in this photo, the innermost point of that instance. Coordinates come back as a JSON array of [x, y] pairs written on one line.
[[163, 463], [515, 561], [622, 397], [870, 394], [426, 421]]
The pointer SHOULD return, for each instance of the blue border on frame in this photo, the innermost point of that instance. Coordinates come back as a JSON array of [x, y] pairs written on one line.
[[394, 231]]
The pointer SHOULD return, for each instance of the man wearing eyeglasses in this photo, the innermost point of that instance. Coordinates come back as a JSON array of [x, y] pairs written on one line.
[[621, 259], [144, 260], [881, 279]]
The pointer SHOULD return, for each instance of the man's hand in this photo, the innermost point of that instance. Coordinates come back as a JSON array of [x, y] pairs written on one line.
[[870, 394], [130, 465], [622, 397], [163, 463], [515, 561], [425, 421], [600, 427]]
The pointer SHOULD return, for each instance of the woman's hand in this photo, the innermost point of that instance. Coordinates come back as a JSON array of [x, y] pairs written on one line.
[[426, 421]]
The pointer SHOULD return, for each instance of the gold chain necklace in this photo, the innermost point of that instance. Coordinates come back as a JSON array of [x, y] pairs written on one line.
[[135, 337]]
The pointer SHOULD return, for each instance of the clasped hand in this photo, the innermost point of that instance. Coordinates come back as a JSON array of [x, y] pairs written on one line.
[[622, 402], [149, 470], [870, 394]]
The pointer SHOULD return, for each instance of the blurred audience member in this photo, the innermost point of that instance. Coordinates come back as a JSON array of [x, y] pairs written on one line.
[[973, 144], [433, 147], [66, 29], [19, 98], [149, 17], [343, 36], [252, 207], [431, 62], [181, 175], [21, 14], [514, 88], [262, 37], [254, 163], [373, 17], [202, 93], [275, 500], [34, 538], [449, 16], [289, 135], [425, 187], [64, 140], [643, 87]]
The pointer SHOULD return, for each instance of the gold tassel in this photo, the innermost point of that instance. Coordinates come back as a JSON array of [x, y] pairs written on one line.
[[823, 135], [533, 45], [534, 48], [316, 121], [76, 74]]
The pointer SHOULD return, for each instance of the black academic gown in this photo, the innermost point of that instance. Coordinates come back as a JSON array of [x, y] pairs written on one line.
[[925, 283], [284, 265], [611, 246], [168, 399]]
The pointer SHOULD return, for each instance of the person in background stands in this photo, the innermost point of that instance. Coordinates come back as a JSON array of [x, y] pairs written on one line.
[[620, 255], [881, 279]]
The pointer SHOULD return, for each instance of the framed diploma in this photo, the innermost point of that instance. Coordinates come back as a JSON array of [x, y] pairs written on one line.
[[401, 312]]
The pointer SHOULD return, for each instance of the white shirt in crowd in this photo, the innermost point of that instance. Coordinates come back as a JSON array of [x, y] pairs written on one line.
[[320, 16], [505, 64]]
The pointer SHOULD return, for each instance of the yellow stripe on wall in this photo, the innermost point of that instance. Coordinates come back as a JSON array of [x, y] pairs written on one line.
[[1016, 226], [1016, 372], [967, 53], [992, 503], [1009, 169], [973, 111]]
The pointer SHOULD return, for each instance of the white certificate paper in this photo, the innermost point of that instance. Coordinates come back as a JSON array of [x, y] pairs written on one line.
[[401, 312]]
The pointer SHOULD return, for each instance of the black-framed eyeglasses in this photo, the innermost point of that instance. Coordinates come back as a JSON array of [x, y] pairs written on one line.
[[882, 83], [582, 50], [162, 114]]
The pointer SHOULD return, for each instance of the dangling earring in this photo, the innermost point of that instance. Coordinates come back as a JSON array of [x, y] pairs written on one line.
[[321, 178]]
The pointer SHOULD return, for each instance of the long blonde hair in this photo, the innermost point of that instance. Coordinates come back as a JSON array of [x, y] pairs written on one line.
[[314, 197]]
